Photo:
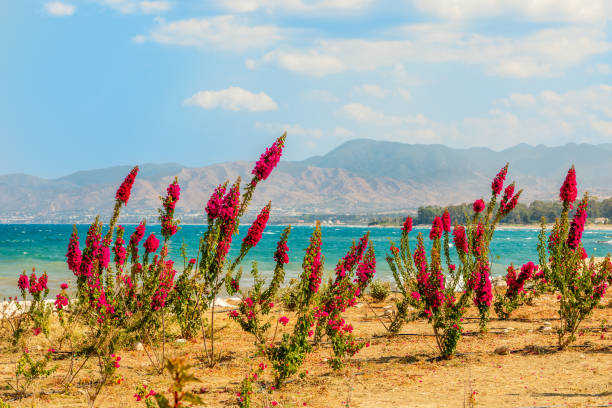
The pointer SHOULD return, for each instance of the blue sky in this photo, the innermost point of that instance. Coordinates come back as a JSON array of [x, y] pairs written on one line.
[[94, 83]]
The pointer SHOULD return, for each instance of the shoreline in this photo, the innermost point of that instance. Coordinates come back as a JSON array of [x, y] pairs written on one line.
[[588, 227]]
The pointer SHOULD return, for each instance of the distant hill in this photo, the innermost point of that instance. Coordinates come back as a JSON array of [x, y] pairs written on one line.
[[360, 176]]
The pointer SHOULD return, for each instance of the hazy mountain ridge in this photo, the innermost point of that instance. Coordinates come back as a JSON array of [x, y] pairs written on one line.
[[360, 176]]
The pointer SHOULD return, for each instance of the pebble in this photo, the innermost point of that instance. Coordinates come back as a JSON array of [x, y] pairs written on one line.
[[139, 346], [502, 350], [545, 329], [180, 341]]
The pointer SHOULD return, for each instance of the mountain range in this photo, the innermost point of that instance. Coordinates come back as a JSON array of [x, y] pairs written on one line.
[[361, 176]]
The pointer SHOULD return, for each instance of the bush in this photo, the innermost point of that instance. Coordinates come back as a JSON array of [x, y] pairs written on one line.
[[580, 285], [431, 292], [289, 295], [380, 290]]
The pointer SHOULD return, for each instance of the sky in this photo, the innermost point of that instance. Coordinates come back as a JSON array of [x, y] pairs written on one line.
[[94, 83]]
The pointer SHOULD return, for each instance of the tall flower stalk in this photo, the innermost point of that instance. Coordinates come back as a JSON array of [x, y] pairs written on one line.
[[354, 272], [580, 283], [224, 211]]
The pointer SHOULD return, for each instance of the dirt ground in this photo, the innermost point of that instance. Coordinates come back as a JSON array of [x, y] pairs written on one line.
[[400, 371]]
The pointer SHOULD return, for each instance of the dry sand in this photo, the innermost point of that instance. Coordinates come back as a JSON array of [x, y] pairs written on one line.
[[401, 371]]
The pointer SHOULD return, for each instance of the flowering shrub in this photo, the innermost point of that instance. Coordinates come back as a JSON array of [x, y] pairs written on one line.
[[257, 303], [353, 274], [120, 299], [28, 316], [580, 284], [516, 294], [288, 355], [224, 209], [430, 285]]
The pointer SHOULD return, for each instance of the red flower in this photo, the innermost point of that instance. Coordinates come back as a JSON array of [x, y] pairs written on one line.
[[569, 191], [104, 256], [166, 282], [498, 181], [407, 227], [174, 191], [64, 286], [478, 206], [577, 227], [23, 283], [268, 160], [281, 256], [124, 191], [61, 301], [255, 231], [151, 244], [213, 207], [436, 229], [480, 283], [446, 221], [74, 253], [283, 320]]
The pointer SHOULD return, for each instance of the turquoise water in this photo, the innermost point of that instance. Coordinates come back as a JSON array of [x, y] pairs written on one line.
[[23, 246]]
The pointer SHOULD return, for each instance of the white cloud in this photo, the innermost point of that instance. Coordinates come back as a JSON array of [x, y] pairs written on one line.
[[226, 33], [546, 117], [60, 9], [294, 6], [543, 53], [232, 98], [135, 6], [575, 11], [308, 63], [370, 90], [365, 114], [154, 6]]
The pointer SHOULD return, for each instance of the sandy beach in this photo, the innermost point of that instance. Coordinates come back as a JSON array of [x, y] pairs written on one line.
[[400, 371]]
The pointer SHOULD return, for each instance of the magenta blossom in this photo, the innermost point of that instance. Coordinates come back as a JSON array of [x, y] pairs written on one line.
[[213, 208], [256, 230], [498, 181], [281, 256], [436, 229], [407, 227], [283, 320], [446, 221], [460, 239], [268, 160], [74, 253], [23, 283], [151, 244], [479, 206], [569, 190], [124, 191], [574, 236]]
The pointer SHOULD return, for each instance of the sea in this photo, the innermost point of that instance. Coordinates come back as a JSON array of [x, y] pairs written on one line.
[[43, 247]]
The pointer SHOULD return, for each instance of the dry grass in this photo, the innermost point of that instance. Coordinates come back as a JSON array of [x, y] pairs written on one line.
[[402, 371]]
